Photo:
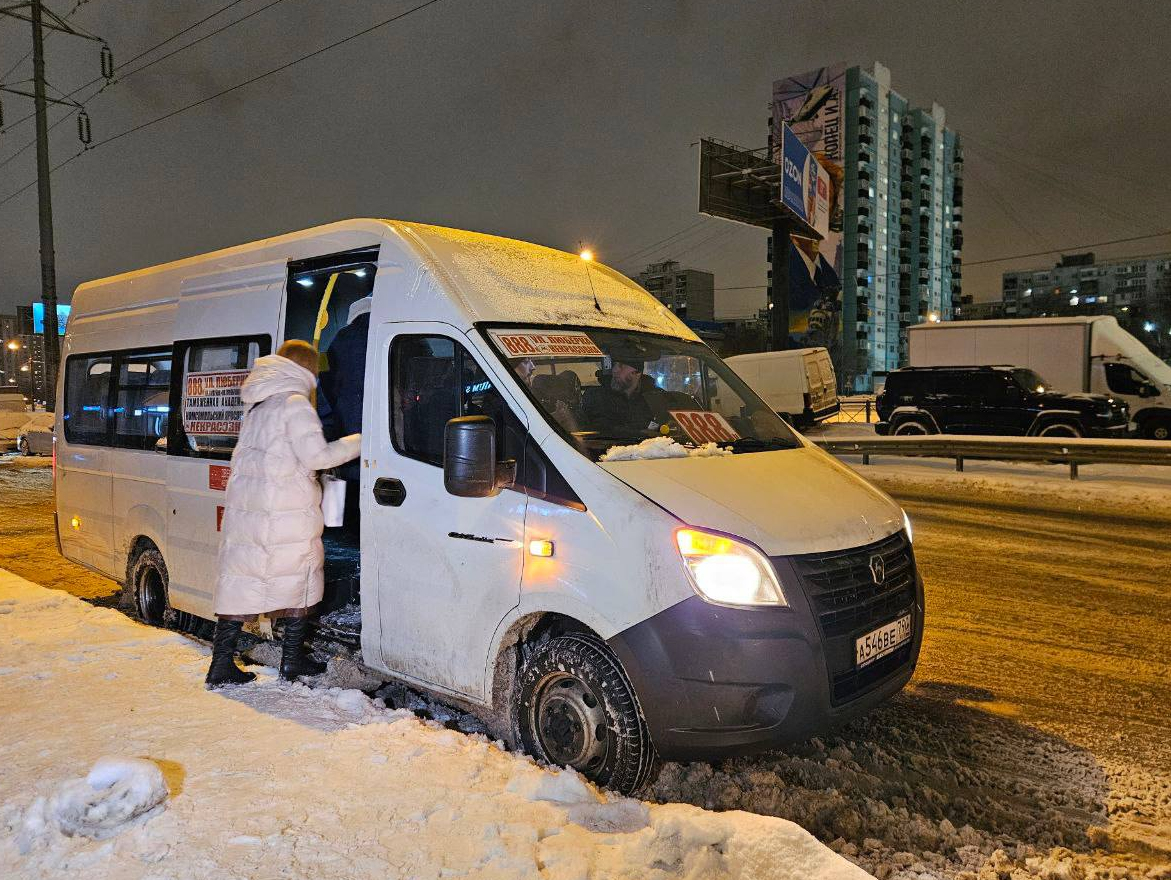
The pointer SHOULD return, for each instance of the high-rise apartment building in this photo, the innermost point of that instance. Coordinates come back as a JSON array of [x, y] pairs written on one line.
[[689, 293], [1136, 290], [896, 225]]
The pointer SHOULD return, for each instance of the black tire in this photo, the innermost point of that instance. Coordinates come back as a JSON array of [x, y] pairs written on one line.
[[913, 427], [1157, 429], [608, 741], [22, 447], [1060, 429], [146, 590]]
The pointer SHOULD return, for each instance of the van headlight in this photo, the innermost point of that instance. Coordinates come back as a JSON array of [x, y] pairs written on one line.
[[907, 527], [728, 572]]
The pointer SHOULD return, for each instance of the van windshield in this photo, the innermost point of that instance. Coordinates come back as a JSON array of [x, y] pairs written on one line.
[[607, 388]]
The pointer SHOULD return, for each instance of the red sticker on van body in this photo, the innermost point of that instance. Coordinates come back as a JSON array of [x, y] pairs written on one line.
[[219, 518], [217, 476]]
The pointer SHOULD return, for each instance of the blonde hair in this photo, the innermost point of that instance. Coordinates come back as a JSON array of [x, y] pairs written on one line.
[[301, 353]]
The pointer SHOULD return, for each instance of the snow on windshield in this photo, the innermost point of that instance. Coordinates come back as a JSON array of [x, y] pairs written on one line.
[[662, 447]]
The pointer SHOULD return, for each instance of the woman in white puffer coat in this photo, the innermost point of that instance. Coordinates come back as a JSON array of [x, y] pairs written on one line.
[[271, 557]]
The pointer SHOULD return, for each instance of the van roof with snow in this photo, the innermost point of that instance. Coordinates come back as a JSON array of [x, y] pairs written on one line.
[[485, 278]]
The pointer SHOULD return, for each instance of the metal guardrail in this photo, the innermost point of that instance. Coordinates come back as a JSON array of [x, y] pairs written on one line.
[[1073, 452]]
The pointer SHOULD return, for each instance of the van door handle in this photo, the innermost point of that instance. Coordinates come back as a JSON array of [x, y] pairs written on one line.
[[389, 492]]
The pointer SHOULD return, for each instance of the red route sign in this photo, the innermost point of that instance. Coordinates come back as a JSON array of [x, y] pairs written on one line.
[[217, 476], [704, 427]]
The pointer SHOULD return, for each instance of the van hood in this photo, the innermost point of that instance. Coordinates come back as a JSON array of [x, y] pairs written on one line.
[[786, 502]]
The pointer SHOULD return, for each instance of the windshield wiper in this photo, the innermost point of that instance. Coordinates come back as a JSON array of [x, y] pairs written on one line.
[[755, 444]]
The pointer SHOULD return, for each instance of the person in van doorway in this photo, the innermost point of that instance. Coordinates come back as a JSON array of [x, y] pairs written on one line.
[[271, 558], [340, 393]]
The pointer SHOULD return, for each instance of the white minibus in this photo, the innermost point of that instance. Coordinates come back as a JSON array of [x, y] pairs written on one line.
[[575, 519]]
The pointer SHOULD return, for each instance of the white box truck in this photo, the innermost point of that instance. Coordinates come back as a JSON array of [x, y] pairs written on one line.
[[1084, 353], [799, 384]]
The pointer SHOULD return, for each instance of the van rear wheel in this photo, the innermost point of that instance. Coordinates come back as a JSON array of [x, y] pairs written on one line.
[[147, 585], [576, 708], [1157, 429]]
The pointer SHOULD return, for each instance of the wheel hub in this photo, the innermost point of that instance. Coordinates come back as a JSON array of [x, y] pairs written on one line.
[[152, 601], [571, 723]]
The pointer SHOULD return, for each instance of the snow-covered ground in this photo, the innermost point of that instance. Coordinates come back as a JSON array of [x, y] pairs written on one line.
[[1034, 740], [279, 780]]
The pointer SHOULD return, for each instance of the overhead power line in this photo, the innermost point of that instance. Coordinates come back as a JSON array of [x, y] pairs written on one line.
[[230, 89], [120, 77]]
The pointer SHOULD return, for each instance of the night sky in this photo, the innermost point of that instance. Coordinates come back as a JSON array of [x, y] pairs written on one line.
[[563, 122]]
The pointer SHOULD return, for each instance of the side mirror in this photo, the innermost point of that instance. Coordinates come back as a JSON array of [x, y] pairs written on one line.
[[1147, 390], [469, 457]]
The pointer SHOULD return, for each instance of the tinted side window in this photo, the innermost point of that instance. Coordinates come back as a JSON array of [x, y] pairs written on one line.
[[1121, 379], [142, 391], [425, 394], [434, 379], [87, 399], [954, 384], [206, 394], [987, 387]]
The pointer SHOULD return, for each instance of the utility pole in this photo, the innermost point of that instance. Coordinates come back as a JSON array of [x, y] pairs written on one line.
[[35, 12]]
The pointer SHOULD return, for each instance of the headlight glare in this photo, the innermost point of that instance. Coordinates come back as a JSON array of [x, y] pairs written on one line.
[[907, 527], [728, 572]]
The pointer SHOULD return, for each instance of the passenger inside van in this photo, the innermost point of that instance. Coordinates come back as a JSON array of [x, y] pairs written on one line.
[[340, 393]]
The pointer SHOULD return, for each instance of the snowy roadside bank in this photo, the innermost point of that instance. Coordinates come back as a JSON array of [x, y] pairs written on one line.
[[344, 789]]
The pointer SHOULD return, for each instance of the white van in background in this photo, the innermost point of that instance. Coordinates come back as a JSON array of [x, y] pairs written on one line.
[[576, 520], [798, 384]]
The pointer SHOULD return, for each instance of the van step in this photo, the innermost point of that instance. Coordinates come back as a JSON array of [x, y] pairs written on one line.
[[343, 624]]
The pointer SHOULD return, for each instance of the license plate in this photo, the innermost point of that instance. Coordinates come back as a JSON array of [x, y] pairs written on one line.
[[880, 642]]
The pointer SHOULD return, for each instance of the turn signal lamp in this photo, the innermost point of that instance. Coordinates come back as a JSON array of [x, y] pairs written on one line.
[[76, 523], [728, 572], [540, 548]]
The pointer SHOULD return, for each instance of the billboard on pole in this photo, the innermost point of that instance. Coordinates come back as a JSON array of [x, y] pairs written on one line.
[[804, 188], [811, 108]]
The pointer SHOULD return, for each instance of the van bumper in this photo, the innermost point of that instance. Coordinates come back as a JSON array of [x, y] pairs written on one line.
[[716, 682], [811, 416]]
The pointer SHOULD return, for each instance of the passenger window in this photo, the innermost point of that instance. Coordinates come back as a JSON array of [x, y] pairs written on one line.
[[142, 400], [87, 396], [1121, 379], [424, 394], [434, 379], [207, 394]]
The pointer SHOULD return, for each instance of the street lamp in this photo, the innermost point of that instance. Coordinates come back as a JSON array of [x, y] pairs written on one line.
[[933, 318], [13, 346], [586, 254]]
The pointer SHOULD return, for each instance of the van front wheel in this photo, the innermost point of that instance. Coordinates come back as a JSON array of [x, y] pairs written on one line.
[[576, 708]]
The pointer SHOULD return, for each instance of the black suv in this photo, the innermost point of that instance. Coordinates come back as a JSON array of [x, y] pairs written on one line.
[[992, 400]]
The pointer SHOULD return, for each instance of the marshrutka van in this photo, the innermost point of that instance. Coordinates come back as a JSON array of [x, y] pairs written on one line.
[[575, 519]]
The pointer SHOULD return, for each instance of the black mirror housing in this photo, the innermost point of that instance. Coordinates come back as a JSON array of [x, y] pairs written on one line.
[[469, 457]]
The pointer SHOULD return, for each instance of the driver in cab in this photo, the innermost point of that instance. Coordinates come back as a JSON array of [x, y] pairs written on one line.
[[626, 405]]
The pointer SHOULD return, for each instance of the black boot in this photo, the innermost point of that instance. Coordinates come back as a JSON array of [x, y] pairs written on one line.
[[295, 660], [223, 662]]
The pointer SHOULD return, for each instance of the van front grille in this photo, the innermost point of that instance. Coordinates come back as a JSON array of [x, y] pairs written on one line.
[[853, 592]]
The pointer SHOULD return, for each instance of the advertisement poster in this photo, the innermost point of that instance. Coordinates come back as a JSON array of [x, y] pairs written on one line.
[[805, 185], [812, 107], [211, 403]]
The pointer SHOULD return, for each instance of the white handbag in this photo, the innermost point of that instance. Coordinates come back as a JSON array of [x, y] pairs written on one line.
[[333, 500]]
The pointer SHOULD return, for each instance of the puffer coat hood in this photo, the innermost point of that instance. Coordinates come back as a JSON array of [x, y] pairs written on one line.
[[273, 374], [271, 557]]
